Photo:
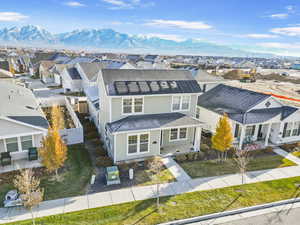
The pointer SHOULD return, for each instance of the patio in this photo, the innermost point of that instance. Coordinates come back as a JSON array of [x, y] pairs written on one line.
[[20, 164]]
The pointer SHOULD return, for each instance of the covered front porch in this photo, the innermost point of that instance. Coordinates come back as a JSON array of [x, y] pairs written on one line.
[[20, 164], [254, 136]]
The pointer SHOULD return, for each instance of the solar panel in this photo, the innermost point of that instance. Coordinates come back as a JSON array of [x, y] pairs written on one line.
[[164, 84], [173, 84], [154, 86], [133, 87], [121, 87], [144, 86]]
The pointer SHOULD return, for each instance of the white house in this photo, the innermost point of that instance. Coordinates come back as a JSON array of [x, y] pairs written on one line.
[[22, 122], [256, 118]]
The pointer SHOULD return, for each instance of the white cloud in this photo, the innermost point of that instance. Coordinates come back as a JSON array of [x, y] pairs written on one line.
[[172, 37], [127, 4], [192, 25], [74, 4], [11, 16], [262, 36], [279, 16], [290, 8], [279, 45], [288, 31]]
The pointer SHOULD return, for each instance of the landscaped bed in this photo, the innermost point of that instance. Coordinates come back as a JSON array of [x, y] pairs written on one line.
[[66, 115], [180, 206], [75, 176], [259, 160]]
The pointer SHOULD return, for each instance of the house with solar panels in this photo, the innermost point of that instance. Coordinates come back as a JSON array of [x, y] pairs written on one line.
[[257, 119], [143, 113]]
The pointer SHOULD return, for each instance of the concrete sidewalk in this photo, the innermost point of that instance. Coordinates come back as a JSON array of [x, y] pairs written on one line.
[[72, 204], [287, 155], [175, 169]]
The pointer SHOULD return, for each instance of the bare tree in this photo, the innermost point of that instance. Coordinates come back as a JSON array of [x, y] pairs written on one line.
[[30, 192], [156, 166], [242, 158]]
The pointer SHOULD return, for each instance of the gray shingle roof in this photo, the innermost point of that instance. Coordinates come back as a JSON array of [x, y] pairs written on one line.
[[20, 104], [227, 99], [91, 70], [127, 77], [151, 121], [73, 73]]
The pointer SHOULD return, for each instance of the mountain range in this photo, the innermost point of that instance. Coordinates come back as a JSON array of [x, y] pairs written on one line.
[[108, 39]]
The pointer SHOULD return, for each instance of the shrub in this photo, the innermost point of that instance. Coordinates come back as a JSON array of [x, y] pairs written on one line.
[[200, 155], [268, 149], [180, 157], [204, 147], [104, 161], [100, 151], [191, 156]]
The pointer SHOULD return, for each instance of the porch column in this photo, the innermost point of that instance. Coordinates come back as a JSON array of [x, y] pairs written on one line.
[[197, 140], [242, 137], [268, 134]]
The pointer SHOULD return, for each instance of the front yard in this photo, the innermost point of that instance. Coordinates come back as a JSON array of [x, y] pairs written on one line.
[[180, 206], [75, 176], [258, 161]]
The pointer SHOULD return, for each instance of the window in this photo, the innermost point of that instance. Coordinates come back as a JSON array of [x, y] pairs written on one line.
[[133, 105], [250, 130], [181, 103], [138, 143], [12, 144], [132, 144], [198, 113], [176, 103], [237, 132], [26, 142], [296, 129], [287, 129], [178, 134], [127, 105]]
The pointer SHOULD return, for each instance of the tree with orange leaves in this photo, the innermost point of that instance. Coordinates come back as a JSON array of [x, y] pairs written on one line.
[[54, 151]]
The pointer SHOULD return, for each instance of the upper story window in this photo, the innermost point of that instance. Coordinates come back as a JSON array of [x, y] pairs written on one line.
[[181, 103], [133, 105]]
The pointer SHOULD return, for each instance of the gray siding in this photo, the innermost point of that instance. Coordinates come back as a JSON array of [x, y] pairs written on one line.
[[2, 148], [166, 138], [121, 146], [152, 105]]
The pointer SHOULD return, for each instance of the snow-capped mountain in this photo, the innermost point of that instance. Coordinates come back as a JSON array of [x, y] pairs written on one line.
[[27, 33], [110, 39]]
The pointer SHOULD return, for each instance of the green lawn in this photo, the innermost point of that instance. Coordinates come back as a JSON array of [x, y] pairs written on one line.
[[210, 168], [179, 206], [76, 175]]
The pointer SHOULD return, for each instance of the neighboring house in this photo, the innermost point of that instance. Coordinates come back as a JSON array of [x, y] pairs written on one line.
[[119, 65], [144, 113], [22, 122], [71, 80], [150, 58], [150, 65], [82, 59], [208, 81], [57, 70], [255, 117], [44, 71]]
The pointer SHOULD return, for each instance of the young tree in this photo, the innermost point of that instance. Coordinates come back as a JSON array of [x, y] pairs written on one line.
[[242, 158], [223, 138], [156, 166], [30, 192], [57, 118], [53, 151]]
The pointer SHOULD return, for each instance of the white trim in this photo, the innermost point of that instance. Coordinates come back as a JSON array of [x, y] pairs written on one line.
[[110, 109], [132, 106], [21, 134], [138, 143], [115, 137], [178, 134], [162, 95], [180, 104], [21, 123]]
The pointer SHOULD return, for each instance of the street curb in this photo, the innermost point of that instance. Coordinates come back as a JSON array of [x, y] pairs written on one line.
[[231, 212]]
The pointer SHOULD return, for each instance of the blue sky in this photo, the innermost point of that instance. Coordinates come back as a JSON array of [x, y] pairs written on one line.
[[260, 25]]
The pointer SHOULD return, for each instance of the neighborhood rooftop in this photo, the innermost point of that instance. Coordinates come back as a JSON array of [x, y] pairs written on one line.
[[227, 99], [145, 82], [20, 104]]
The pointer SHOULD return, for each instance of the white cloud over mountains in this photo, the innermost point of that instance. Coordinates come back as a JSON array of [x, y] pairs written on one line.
[[11, 16], [192, 25]]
